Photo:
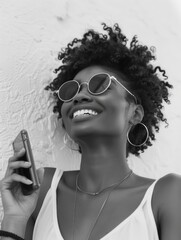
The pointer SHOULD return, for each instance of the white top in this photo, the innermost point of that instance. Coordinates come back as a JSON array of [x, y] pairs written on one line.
[[139, 225]]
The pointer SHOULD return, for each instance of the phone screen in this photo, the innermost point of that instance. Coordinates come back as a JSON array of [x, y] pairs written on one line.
[[22, 141]]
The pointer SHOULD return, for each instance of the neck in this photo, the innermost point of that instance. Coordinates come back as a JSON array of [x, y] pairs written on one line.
[[103, 163]]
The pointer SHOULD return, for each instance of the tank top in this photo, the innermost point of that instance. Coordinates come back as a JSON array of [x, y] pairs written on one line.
[[138, 225]]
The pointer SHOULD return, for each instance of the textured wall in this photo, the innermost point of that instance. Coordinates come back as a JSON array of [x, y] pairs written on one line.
[[31, 34]]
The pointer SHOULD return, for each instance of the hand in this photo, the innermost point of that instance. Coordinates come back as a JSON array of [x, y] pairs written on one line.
[[15, 204]]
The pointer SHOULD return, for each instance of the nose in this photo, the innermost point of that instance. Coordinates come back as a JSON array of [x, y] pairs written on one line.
[[83, 94]]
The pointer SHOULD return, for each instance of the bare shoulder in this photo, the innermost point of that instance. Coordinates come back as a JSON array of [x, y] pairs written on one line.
[[168, 188], [167, 205]]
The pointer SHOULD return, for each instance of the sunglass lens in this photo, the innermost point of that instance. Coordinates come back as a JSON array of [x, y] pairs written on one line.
[[99, 83], [68, 90]]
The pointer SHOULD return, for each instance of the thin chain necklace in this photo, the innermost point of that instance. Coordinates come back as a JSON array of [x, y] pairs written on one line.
[[113, 186]]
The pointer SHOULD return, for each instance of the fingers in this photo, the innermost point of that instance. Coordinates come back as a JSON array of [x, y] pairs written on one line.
[[13, 163], [15, 178], [17, 155], [5, 184], [18, 164]]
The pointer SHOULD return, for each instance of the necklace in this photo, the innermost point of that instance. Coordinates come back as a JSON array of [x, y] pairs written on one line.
[[96, 193], [113, 186]]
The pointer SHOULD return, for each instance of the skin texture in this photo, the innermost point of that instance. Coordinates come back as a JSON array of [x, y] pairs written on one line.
[[103, 144], [103, 138]]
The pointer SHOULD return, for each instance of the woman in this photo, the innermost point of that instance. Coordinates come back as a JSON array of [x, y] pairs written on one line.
[[110, 98]]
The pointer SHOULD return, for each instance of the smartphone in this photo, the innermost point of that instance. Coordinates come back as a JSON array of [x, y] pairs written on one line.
[[22, 141]]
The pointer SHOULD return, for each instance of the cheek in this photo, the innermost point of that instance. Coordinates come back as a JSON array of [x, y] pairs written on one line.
[[117, 116]]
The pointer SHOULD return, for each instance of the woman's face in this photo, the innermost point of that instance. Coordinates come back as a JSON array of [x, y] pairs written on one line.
[[112, 108]]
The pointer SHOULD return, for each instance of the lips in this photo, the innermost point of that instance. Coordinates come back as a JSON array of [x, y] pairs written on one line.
[[83, 107], [84, 112]]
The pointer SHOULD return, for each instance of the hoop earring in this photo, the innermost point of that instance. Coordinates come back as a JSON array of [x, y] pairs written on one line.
[[146, 138], [68, 142]]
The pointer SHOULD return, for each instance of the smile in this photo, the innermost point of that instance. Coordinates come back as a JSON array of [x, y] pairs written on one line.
[[84, 113]]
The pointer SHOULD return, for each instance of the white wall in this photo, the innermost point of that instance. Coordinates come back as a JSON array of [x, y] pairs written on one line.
[[31, 34]]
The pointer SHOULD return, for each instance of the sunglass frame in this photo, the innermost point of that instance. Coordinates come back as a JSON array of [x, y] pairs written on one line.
[[87, 83]]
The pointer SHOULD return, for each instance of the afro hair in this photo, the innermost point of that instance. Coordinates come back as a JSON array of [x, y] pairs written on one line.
[[132, 59]]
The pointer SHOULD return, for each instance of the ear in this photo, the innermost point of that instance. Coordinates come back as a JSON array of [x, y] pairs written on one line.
[[137, 114]]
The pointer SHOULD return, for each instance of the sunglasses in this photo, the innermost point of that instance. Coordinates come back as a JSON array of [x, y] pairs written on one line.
[[97, 85]]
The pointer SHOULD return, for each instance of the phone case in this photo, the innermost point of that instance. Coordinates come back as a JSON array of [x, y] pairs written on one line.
[[22, 141]]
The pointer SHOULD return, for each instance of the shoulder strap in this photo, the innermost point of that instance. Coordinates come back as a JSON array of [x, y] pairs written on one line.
[[46, 183]]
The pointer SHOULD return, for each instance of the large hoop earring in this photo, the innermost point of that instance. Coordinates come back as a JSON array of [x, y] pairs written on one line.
[[68, 142], [146, 138]]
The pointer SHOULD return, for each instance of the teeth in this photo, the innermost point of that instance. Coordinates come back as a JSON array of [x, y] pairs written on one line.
[[84, 111]]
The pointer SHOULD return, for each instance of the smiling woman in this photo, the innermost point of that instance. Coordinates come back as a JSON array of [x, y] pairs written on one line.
[[131, 63], [110, 99]]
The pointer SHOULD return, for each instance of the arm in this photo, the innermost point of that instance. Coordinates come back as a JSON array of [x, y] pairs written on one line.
[[170, 207], [22, 228], [20, 225], [14, 225]]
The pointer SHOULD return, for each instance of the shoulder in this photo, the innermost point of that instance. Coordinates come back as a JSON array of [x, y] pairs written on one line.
[[167, 195], [43, 169], [166, 201], [45, 175], [168, 187], [167, 190], [171, 178]]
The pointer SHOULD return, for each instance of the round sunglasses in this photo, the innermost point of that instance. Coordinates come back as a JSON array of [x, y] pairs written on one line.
[[96, 85]]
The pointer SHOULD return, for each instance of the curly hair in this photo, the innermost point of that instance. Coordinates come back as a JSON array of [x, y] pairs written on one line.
[[132, 59]]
